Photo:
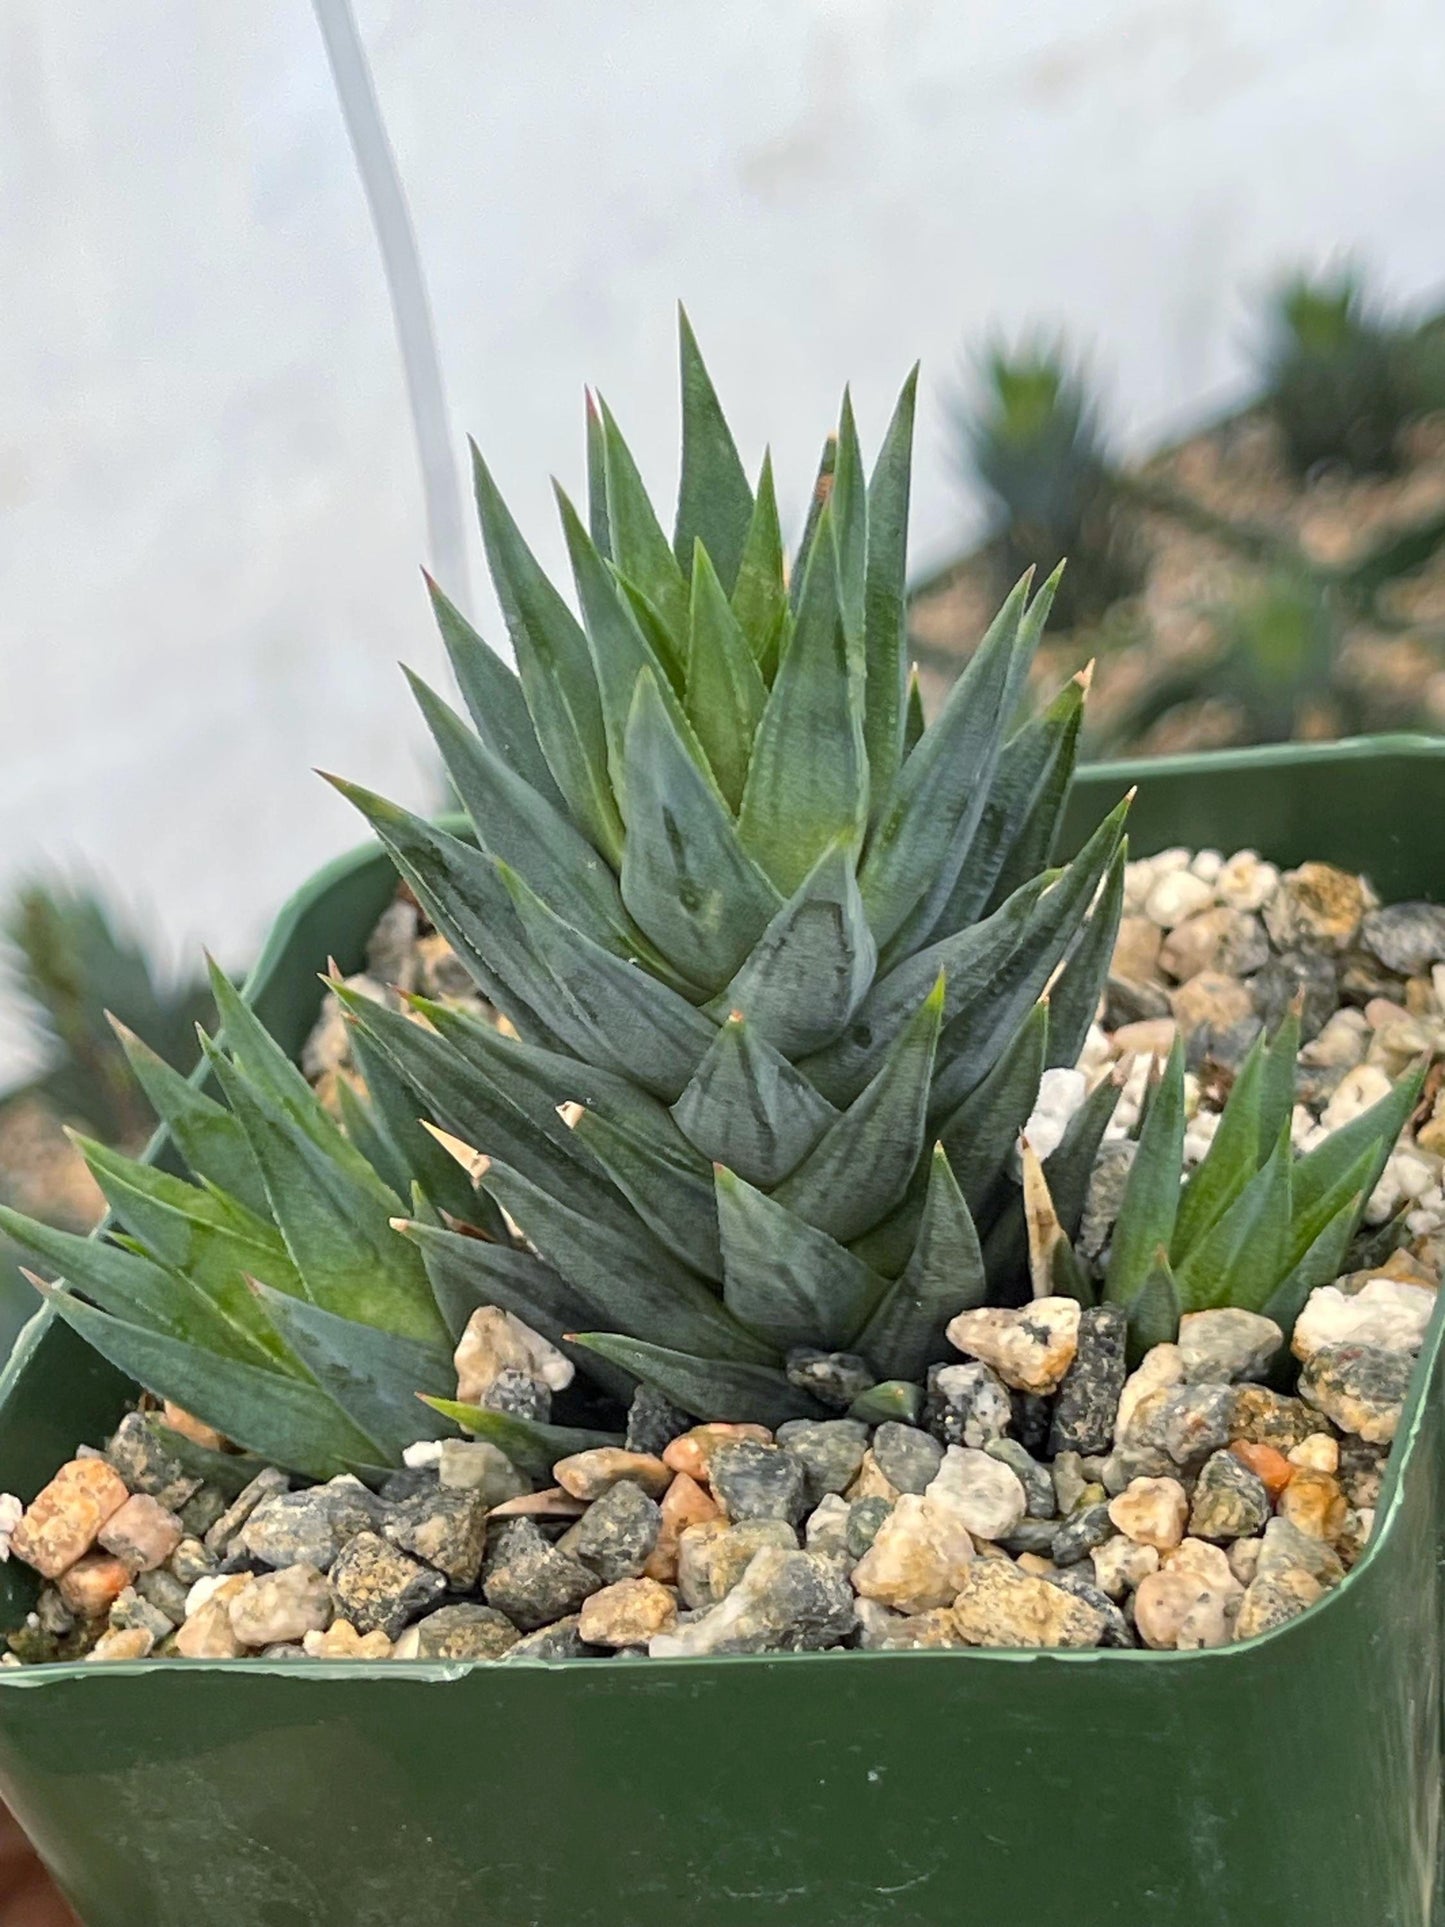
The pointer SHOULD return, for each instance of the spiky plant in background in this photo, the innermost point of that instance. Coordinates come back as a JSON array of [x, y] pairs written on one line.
[[1336, 375], [1031, 434], [1253, 1226]]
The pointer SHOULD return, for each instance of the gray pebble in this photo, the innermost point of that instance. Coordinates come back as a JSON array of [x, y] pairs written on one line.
[[560, 1640], [191, 1561], [165, 1591], [133, 1612], [145, 1465], [308, 1528], [968, 1404], [653, 1422], [466, 1630], [1033, 1477], [711, 1561], [1275, 986], [834, 1378], [1117, 1630], [907, 1458], [378, 1586], [616, 1534], [784, 1602], [266, 1484], [831, 1451], [1085, 1528], [1031, 1535], [408, 1480], [1406, 937], [1230, 1501], [756, 1481], [532, 1582], [446, 1527], [518, 1395], [201, 1511], [1105, 1196], [1088, 1399], [865, 1516]]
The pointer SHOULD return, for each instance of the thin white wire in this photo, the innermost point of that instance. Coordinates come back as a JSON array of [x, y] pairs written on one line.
[[406, 285]]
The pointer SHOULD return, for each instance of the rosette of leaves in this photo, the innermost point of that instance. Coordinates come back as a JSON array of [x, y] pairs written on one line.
[[1252, 1226], [1339, 379], [781, 967]]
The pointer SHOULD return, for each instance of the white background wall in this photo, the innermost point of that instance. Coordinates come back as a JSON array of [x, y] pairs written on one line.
[[209, 509]]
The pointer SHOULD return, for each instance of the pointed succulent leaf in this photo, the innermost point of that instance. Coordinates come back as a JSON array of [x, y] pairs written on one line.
[[760, 595], [289, 1422], [807, 782], [861, 1165], [534, 1448], [394, 1118], [631, 1020], [1240, 1259], [726, 694], [520, 828], [1019, 829], [686, 877], [749, 1108], [640, 549], [808, 972], [372, 1376], [1277, 1082], [470, 1103], [893, 1398], [714, 502], [920, 839], [266, 1066], [667, 1183], [914, 720], [849, 502], [1151, 1195], [1154, 1309], [1309, 1221], [494, 698], [229, 1472], [338, 1233], [1230, 1162], [555, 665], [981, 1133], [885, 626], [1320, 1264], [464, 896], [635, 1284], [203, 1131], [124, 1282], [783, 1278], [1376, 1130], [756, 1394], [1074, 997], [818, 503], [944, 1276], [597, 524]]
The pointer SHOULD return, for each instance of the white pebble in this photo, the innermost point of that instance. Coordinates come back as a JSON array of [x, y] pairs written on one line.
[[11, 1510], [1207, 864], [1356, 1091], [1175, 896], [1386, 1313], [1061, 1092], [424, 1453], [1164, 861], [1245, 883], [198, 1595]]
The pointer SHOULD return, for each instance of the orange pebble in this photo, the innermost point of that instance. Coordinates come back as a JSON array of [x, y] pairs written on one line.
[[1268, 1464], [61, 1522], [93, 1584], [684, 1504], [692, 1453]]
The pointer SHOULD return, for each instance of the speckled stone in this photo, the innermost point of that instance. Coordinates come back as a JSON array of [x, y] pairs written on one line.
[[629, 1613], [284, 1606], [784, 1602], [1105, 1196], [201, 1511], [309, 1528], [1088, 1399], [988, 1497], [1031, 1347], [446, 1527], [712, 1558], [190, 1561], [163, 1591], [587, 1475], [476, 1465], [1230, 1501], [1079, 1580], [377, 1587], [1032, 1416], [1362, 1388], [616, 1535], [907, 1457], [1121, 1565], [831, 1451], [1229, 1343], [267, 1482], [1086, 1527], [466, 1630], [1272, 1599], [1316, 906], [967, 1404], [886, 1632], [531, 1581], [517, 1394], [560, 1640], [1039, 1492], [1405, 937], [1265, 1417], [143, 1533], [1152, 1512], [1031, 1536], [754, 1481], [835, 1379], [653, 1422], [1362, 1471], [145, 1465], [920, 1554], [130, 1610], [865, 1516], [1286, 1549], [998, 1605], [1275, 987], [65, 1517]]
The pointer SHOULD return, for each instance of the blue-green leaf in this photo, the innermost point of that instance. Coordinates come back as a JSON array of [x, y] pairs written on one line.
[[885, 597], [1151, 1195], [204, 1132], [726, 694], [534, 1448], [785, 1279], [714, 503], [747, 1107], [944, 1276], [756, 1394], [494, 698]]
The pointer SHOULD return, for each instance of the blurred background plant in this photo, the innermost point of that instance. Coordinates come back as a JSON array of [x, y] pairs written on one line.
[[1278, 574], [1030, 432], [70, 961]]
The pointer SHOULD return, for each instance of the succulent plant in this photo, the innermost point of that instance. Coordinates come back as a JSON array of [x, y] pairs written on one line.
[[1253, 1226], [1338, 377], [793, 966], [1032, 436]]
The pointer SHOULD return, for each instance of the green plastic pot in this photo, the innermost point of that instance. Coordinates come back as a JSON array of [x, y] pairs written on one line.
[[1293, 1779]]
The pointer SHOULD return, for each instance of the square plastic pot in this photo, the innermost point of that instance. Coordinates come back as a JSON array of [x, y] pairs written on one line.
[[1293, 1779]]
